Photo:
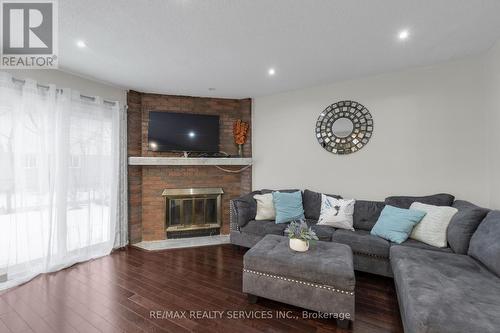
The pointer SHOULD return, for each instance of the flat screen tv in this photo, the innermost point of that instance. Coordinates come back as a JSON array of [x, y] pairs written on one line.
[[183, 132]]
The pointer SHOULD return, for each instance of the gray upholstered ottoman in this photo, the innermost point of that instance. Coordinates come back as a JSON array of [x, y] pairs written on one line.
[[321, 279]]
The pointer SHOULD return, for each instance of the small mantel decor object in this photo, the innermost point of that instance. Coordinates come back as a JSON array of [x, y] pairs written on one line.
[[300, 235], [240, 134]]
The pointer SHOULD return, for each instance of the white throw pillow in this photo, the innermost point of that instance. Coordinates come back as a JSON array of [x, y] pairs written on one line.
[[432, 229], [336, 212], [265, 207]]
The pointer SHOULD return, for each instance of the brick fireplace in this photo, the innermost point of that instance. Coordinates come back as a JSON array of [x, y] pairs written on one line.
[[147, 205]]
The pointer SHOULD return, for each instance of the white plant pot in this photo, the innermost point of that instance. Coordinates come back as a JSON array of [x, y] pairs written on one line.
[[299, 245]]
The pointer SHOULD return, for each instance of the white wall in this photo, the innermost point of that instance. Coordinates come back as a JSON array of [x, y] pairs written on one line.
[[430, 136], [66, 80], [493, 78]]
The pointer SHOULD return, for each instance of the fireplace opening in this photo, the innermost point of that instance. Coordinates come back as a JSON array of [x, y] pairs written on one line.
[[192, 212]]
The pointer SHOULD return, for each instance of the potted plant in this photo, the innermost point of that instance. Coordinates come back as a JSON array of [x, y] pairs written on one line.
[[300, 235]]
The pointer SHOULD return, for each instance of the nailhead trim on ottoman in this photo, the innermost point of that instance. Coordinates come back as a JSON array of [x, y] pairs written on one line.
[[321, 286]]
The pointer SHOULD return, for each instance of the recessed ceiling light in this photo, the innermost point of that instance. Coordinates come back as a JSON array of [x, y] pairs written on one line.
[[192, 134], [271, 71], [403, 34], [81, 44]]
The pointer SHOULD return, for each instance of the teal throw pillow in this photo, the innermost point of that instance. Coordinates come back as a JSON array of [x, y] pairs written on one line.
[[288, 206], [395, 224]]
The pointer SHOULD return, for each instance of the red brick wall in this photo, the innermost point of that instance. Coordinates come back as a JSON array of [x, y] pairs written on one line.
[[146, 205], [134, 137]]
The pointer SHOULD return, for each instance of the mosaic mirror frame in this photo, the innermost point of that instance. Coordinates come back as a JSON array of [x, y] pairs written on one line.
[[360, 135]]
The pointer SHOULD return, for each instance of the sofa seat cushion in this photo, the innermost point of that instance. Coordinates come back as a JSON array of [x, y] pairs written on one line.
[[262, 228], [419, 245], [441, 199], [361, 242], [324, 232], [366, 214], [444, 292], [485, 243]]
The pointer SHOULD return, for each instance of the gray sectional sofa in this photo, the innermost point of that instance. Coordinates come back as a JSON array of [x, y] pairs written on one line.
[[452, 289]]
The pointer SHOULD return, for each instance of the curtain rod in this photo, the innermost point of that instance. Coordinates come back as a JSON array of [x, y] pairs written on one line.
[[92, 98]]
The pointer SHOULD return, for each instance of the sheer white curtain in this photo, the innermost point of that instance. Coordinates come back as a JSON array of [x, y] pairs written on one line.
[[59, 179]]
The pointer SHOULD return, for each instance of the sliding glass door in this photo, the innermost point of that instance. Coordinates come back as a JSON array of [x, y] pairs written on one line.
[[58, 179]]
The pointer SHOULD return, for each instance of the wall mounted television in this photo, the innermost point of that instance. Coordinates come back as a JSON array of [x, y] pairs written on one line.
[[183, 132]]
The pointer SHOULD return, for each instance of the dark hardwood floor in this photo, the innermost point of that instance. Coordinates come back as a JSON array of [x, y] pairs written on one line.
[[118, 293]]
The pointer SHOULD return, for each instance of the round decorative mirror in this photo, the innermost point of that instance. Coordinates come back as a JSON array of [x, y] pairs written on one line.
[[344, 127]]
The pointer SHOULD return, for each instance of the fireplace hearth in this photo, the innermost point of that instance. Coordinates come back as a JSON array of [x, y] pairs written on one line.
[[192, 212]]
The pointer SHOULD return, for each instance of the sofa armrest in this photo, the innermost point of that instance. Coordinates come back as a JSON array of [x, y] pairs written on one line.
[[233, 216], [241, 212]]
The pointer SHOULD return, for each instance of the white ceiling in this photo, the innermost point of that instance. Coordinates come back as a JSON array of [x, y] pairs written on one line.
[[187, 46]]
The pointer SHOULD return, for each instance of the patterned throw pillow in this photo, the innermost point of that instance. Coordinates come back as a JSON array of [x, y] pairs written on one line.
[[336, 212]]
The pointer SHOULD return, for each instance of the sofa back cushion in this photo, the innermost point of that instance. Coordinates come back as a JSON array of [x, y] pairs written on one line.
[[312, 203], [441, 199], [366, 214], [463, 225], [264, 191], [485, 243]]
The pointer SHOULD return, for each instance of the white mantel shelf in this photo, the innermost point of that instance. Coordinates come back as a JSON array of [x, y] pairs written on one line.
[[141, 160]]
